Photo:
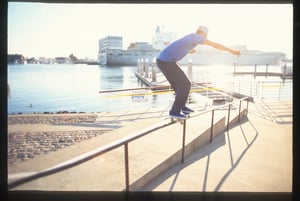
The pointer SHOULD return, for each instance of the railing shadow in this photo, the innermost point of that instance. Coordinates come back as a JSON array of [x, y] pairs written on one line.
[[205, 152], [277, 111], [199, 154], [280, 112], [236, 163]]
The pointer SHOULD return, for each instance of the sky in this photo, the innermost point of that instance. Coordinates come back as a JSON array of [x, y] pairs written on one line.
[[52, 30]]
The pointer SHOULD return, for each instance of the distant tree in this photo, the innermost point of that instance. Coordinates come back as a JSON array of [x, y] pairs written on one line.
[[73, 58], [15, 58]]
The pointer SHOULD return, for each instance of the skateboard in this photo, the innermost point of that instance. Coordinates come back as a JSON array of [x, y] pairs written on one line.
[[181, 121], [174, 119]]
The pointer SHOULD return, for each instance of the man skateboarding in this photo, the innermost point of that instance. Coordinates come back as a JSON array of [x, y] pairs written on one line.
[[166, 62]]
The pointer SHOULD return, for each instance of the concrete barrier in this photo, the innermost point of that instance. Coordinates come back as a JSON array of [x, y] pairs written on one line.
[[204, 138]]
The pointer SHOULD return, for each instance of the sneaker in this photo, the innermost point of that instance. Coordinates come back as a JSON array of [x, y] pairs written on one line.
[[176, 115], [187, 110]]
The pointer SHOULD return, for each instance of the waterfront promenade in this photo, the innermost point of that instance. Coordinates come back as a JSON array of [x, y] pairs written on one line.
[[254, 156]]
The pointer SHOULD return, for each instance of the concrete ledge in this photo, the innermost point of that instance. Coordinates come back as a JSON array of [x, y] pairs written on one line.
[[236, 119], [176, 157], [204, 138]]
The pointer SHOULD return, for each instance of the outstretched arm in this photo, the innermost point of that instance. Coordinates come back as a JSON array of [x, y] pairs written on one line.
[[221, 47]]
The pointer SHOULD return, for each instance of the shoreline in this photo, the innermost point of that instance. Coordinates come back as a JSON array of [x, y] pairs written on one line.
[[33, 136], [42, 138], [46, 112], [51, 118]]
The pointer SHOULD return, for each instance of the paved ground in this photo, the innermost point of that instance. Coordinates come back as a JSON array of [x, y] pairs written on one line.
[[129, 121], [255, 155]]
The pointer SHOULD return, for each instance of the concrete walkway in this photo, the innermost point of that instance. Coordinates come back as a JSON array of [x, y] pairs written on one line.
[[254, 156], [239, 160]]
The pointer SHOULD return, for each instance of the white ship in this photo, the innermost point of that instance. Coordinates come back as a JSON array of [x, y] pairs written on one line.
[[111, 49], [206, 55], [111, 53], [135, 51]]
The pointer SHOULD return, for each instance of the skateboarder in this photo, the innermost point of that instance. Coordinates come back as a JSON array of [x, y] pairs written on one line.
[[166, 62]]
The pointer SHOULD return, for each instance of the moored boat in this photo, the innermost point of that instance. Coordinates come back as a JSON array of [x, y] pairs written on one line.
[[111, 53], [287, 67]]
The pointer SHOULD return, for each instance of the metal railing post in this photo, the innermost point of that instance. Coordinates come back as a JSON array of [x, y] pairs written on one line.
[[154, 70], [250, 88], [212, 125], [262, 90], [142, 67], [240, 111], [279, 91], [247, 106], [183, 141], [146, 67], [228, 117], [126, 166]]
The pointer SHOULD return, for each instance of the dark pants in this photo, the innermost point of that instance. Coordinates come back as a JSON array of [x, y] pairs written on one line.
[[179, 82]]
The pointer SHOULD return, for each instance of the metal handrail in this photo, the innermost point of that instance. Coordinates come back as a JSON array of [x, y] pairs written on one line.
[[122, 142], [256, 89], [282, 89]]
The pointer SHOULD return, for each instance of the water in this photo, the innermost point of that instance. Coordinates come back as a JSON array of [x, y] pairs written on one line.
[[38, 88]]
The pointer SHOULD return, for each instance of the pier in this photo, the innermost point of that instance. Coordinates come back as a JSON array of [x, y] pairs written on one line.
[[149, 74], [265, 72]]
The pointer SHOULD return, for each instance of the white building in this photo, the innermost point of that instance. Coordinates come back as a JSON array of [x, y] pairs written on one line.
[[111, 42], [162, 39]]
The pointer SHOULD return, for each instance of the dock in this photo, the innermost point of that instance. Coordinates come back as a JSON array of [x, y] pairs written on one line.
[[258, 73], [155, 80], [150, 75], [205, 89], [162, 84], [265, 73]]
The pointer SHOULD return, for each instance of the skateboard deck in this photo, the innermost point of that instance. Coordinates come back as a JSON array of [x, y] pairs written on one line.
[[177, 119], [174, 119]]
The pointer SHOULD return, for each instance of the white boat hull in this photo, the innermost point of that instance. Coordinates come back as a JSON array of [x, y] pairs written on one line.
[[197, 59]]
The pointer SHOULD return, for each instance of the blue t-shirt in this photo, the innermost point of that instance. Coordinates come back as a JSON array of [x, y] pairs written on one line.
[[181, 47]]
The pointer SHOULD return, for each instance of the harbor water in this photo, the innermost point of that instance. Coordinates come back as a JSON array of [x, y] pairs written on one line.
[[39, 88]]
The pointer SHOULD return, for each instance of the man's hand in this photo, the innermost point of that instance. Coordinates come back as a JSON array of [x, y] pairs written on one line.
[[192, 51], [235, 52]]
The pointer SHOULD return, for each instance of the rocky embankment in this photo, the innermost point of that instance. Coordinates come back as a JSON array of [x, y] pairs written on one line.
[[51, 118], [24, 145]]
